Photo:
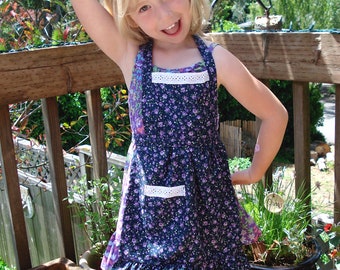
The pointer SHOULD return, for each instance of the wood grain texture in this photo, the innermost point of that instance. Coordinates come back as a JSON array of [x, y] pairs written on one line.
[[31, 75]]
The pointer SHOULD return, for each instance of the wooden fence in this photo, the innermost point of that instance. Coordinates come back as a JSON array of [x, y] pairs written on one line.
[[51, 72], [239, 137], [36, 194]]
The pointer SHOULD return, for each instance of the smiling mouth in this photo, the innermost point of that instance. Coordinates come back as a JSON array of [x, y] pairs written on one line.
[[172, 29]]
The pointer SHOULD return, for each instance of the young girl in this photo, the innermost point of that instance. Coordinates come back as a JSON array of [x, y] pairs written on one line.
[[178, 208]]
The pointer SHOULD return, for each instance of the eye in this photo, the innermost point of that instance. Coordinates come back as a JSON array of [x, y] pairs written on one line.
[[144, 8]]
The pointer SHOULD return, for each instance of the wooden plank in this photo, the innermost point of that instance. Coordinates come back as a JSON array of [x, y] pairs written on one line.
[[43, 228], [67, 69], [50, 224], [81, 237], [301, 108], [308, 57], [57, 172], [61, 70], [231, 136], [97, 133], [337, 157], [7, 247], [13, 191]]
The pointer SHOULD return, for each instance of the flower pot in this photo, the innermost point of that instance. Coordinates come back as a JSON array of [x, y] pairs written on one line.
[[308, 264]]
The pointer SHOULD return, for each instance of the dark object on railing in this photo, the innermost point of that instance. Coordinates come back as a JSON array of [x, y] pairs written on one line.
[[213, 4], [266, 9]]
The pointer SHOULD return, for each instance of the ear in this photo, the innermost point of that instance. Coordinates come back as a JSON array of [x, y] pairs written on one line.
[[131, 22]]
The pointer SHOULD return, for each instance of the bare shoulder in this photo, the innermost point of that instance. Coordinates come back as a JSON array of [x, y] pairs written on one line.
[[227, 64], [221, 55]]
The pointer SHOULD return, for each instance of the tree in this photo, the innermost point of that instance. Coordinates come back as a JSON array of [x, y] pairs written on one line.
[[306, 14]]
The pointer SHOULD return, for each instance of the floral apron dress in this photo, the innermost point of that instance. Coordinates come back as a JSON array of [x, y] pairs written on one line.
[[178, 209]]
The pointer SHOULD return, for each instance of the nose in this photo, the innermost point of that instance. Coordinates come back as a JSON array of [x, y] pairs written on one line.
[[165, 10]]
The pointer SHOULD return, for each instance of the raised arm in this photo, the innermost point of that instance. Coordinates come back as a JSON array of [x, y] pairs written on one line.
[[260, 101], [101, 27]]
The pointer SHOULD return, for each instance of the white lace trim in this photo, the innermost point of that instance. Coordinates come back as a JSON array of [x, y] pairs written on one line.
[[180, 78], [164, 192]]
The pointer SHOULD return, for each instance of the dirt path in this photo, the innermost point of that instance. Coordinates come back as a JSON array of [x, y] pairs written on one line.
[[322, 184]]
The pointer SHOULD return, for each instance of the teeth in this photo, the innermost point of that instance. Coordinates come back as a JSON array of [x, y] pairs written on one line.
[[171, 26]]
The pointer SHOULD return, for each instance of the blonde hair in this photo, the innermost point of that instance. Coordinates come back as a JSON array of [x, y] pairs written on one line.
[[200, 10]]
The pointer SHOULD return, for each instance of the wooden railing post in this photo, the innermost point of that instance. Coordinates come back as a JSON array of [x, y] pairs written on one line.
[[9, 166], [96, 127], [337, 156], [57, 173], [301, 108]]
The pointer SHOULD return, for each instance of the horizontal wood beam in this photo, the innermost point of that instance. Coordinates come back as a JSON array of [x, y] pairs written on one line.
[[55, 71], [50, 72], [304, 57]]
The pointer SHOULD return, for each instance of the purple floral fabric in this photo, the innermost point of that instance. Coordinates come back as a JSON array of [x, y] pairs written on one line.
[[176, 144]]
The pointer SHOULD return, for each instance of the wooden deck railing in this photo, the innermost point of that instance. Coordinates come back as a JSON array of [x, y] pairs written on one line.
[[51, 72]]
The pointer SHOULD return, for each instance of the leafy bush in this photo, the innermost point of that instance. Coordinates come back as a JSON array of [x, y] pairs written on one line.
[[297, 14], [4, 266], [238, 164], [116, 118], [36, 23], [27, 119], [97, 203]]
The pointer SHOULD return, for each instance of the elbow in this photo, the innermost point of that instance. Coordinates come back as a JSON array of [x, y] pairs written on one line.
[[285, 116], [281, 118]]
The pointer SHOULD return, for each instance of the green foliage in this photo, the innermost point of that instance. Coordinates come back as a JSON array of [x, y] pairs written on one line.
[[73, 118], [29, 23], [328, 237], [116, 118], [222, 11], [284, 232], [4, 266], [324, 14], [225, 26], [27, 120], [222, 14], [230, 108], [284, 91], [238, 164], [97, 203]]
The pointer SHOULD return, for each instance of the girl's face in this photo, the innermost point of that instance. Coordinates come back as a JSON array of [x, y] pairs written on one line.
[[163, 20]]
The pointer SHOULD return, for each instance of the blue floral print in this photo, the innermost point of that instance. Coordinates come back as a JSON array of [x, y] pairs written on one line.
[[189, 217]]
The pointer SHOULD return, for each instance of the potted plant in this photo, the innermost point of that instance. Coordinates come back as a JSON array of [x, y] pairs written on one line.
[[328, 236], [285, 242], [97, 203]]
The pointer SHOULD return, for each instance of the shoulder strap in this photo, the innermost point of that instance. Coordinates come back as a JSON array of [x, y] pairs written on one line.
[[206, 53]]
